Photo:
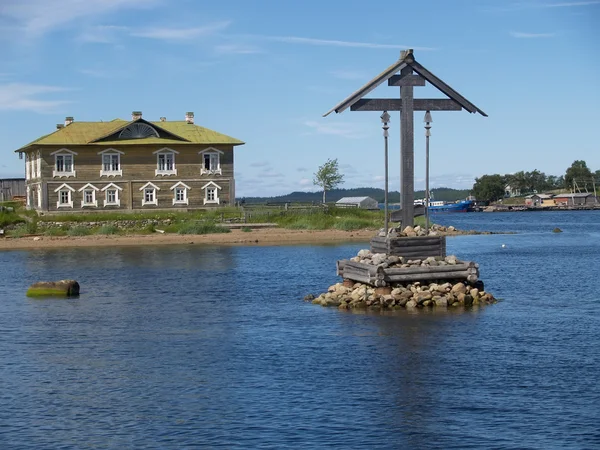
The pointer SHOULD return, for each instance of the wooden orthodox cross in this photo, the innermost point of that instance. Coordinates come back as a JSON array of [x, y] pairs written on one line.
[[406, 73]]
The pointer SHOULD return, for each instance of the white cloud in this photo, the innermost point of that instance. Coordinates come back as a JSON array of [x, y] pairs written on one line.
[[237, 49], [305, 182], [181, 34], [38, 17], [24, 97], [302, 169], [102, 34], [346, 130], [337, 43], [518, 34]]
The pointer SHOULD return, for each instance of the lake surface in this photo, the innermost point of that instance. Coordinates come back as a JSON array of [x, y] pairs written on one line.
[[213, 347]]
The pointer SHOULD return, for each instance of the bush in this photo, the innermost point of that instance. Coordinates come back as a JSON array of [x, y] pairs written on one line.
[[201, 228], [150, 228], [19, 231], [55, 232], [246, 229], [79, 231], [108, 229]]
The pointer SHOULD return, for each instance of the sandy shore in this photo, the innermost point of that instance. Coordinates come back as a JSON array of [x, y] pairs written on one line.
[[236, 237]]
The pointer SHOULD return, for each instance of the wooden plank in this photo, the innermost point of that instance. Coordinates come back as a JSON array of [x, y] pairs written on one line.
[[429, 269], [431, 276], [445, 88], [415, 241], [407, 153], [392, 104], [406, 80]]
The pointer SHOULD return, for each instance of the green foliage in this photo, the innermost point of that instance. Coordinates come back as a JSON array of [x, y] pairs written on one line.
[[19, 231], [332, 218], [55, 231], [108, 229], [328, 176], [150, 228], [352, 224], [201, 228], [489, 187], [246, 229], [579, 174], [9, 218], [79, 231]]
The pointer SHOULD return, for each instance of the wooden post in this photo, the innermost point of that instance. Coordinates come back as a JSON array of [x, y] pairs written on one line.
[[407, 153]]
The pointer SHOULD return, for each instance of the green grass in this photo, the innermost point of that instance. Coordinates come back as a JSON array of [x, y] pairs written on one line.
[[79, 231], [10, 218], [55, 231], [107, 229], [19, 231], [332, 218], [225, 213], [201, 228]]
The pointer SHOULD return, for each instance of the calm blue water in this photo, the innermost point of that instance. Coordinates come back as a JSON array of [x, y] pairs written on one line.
[[213, 347]]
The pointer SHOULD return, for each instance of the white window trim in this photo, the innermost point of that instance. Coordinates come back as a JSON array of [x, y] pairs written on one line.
[[186, 188], [164, 151], [38, 172], [213, 151], [117, 201], [70, 190], [63, 152], [94, 201], [111, 173], [27, 167], [149, 185], [217, 188], [39, 199]]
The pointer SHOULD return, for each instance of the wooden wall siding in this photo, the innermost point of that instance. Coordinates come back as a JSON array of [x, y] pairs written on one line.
[[131, 196], [138, 162]]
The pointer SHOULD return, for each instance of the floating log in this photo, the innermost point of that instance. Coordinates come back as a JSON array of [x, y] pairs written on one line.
[[62, 288]]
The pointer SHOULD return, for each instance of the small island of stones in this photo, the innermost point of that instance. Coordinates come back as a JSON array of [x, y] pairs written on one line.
[[405, 270]]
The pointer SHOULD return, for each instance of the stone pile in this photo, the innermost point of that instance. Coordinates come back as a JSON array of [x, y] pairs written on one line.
[[415, 294], [434, 230]]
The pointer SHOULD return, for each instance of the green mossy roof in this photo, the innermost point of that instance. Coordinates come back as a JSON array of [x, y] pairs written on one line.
[[82, 133]]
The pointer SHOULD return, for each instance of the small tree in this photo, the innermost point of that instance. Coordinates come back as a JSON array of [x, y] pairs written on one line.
[[328, 176]]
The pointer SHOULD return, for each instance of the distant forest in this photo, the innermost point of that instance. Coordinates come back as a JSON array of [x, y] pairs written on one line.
[[445, 194]]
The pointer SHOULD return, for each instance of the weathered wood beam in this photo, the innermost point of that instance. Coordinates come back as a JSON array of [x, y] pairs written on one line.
[[392, 104], [407, 80], [407, 152]]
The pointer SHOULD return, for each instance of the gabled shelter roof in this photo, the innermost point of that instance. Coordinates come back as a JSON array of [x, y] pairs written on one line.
[[406, 60]]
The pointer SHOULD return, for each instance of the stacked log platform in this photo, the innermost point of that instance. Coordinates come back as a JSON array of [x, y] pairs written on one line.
[[416, 247]]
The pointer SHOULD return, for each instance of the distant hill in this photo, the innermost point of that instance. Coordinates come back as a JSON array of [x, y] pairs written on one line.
[[444, 194]]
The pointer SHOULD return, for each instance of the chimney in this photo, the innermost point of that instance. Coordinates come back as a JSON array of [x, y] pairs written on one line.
[[163, 119], [69, 121], [59, 126], [189, 117], [135, 115]]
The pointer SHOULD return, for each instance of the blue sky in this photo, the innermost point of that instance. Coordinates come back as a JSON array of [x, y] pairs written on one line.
[[266, 71]]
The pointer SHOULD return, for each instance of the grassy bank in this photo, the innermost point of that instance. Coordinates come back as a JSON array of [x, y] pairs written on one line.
[[21, 222]]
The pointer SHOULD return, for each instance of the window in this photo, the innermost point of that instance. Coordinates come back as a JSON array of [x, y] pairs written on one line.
[[64, 163], [27, 166], [89, 195], [111, 162], [211, 161], [65, 196], [149, 194], [112, 195], [180, 194], [211, 193], [165, 162], [39, 196]]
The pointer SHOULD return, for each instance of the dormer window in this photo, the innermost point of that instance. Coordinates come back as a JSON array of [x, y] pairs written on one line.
[[111, 163], [165, 162], [64, 163], [211, 162]]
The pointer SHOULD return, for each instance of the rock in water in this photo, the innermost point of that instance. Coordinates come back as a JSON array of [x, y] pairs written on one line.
[[62, 288], [557, 230]]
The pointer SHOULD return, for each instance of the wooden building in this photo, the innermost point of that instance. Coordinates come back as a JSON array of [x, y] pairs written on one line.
[[358, 202], [576, 199], [540, 200], [11, 188], [129, 165]]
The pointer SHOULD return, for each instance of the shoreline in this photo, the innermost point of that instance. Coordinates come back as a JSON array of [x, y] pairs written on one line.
[[258, 237], [236, 237]]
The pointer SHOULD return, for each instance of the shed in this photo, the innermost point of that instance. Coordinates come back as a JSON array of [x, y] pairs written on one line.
[[539, 200], [357, 202], [576, 199], [11, 188]]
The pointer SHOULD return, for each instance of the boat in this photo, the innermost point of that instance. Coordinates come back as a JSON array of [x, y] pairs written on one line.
[[460, 206]]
